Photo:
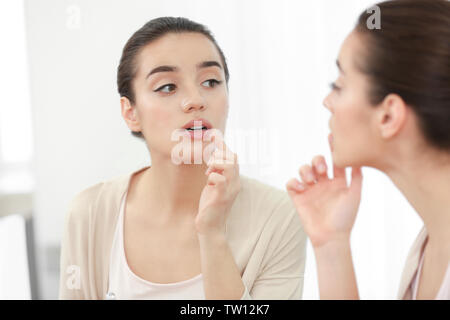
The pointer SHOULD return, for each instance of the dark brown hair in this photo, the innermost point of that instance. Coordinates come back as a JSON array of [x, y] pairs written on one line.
[[151, 31], [410, 56]]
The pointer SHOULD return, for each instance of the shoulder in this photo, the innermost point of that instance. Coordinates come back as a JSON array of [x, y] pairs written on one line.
[[259, 203], [264, 223], [263, 195], [94, 197], [257, 189], [411, 264]]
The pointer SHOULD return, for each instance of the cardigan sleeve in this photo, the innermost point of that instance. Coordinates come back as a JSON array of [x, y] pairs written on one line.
[[282, 270], [74, 276]]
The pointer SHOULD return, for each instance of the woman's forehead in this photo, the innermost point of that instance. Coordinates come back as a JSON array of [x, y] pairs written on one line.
[[351, 51], [182, 50]]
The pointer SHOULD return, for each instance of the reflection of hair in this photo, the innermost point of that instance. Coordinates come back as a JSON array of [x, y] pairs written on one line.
[[151, 31], [410, 56]]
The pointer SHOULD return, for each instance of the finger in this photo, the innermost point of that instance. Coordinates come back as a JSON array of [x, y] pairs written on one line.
[[212, 134], [227, 155], [307, 174], [216, 179], [319, 166], [217, 162], [214, 158], [215, 167], [219, 143], [338, 172], [295, 186], [356, 183], [224, 155]]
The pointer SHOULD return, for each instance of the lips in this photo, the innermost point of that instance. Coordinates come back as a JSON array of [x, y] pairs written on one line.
[[197, 128], [198, 124]]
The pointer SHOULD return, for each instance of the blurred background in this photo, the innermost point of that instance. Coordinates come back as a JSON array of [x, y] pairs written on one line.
[[61, 129]]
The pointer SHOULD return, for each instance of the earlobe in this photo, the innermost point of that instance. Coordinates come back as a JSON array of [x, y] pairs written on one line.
[[129, 113], [393, 115]]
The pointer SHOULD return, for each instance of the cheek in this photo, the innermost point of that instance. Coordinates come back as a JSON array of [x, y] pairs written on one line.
[[352, 135], [158, 116], [157, 121], [351, 115], [223, 106], [156, 113], [218, 105], [343, 127]]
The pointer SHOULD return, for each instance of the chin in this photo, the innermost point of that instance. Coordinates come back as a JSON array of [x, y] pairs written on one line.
[[340, 160], [350, 160]]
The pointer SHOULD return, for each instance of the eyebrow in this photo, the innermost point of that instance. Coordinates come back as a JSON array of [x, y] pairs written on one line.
[[339, 66], [204, 64], [162, 69]]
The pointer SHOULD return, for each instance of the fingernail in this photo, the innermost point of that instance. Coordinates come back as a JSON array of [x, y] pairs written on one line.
[[309, 177], [321, 168], [300, 186]]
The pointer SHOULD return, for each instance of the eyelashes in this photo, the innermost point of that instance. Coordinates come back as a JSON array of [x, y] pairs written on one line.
[[168, 88], [170, 85], [334, 87], [214, 82]]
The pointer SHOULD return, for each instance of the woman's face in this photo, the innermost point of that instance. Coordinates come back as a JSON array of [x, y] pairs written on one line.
[[180, 77], [353, 119]]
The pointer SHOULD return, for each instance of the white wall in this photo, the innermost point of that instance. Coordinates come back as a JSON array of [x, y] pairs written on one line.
[[281, 56]]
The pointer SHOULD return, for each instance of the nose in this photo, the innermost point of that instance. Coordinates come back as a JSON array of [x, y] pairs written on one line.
[[193, 102], [327, 103]]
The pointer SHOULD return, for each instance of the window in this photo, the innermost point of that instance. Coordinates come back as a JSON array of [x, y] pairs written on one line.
[[15, 111]]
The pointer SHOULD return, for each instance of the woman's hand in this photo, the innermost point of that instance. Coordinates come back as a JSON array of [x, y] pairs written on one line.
[[220, 191], [221, 275], [327, 207]]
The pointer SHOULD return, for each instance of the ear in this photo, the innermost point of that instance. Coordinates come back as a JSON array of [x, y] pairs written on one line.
[[392, 115], [129, 113]]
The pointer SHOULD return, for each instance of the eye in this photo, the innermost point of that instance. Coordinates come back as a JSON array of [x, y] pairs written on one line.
[[334, 87], [212, 83], [167, 88]]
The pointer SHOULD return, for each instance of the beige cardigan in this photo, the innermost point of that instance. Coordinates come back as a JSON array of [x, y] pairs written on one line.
[[264, 233], [411, 266]]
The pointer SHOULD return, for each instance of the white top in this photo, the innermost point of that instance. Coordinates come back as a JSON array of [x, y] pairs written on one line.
[[264, 234], [444, 291], [124, 284]]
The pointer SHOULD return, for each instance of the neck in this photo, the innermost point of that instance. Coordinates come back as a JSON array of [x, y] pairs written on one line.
[[425, 182], [175, 188]]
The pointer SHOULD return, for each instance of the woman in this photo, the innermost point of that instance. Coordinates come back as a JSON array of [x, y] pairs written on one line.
[[390, 110], [186, 227]]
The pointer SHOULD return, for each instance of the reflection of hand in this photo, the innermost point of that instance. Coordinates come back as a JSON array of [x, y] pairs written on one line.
[[220, 191], [327, 207]]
